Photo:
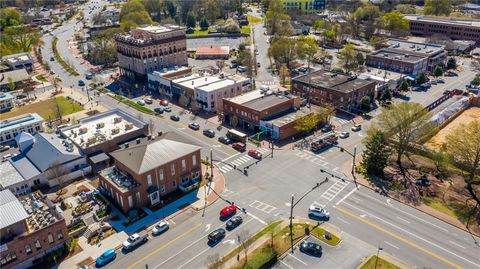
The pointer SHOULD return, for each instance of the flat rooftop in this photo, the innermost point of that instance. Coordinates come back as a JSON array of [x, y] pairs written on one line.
[[333, 81], [102, 127], [213, 50], [415, 47], [171, 70], [194, 81], [266, 101], [380, 75], [246, 97], [5, 96], [474, 23], [155, 29], [290, 117], [22, 120], [404, 57]]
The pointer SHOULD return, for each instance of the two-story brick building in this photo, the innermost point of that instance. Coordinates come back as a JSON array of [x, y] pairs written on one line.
[[30, 227], [146, 170], [343, 91]]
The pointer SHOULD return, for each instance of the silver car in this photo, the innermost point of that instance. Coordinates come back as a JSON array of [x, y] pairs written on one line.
[[318, 212]]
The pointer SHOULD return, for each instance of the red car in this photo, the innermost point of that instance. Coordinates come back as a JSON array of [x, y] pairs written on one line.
[[228, 211], [239, 146], [164, 102], [255, 154]]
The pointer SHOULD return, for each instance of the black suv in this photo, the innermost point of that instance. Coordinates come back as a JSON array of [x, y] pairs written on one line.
[[175, 118], [234, 222], [311, 248], [225, 140], [209, 132], [216, 235]]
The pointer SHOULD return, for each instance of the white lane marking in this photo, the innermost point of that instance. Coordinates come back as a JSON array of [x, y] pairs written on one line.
[[453, 243], [236, 154], [356, 200], [231, 242], [335, 169], [392, 245], [403, 220], [286, 264], [346, 196], [414, 235], [257, 218], [342, 220], [362, 215], [288, 204], [297, 259], [207, 227], [199, 140]]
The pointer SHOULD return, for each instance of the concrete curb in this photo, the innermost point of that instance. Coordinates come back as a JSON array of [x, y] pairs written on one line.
[[386, 257]]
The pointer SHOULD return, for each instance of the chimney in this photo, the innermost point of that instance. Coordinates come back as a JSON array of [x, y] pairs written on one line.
[[126, 145], [138, 141]]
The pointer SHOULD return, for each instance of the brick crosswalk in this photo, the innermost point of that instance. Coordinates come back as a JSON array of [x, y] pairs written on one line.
[[241, 159]]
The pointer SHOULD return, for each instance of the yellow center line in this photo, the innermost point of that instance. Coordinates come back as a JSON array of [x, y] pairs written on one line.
[[163, 246], [398, 237]]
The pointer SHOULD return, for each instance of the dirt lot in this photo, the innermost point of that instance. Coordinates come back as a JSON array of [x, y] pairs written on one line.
[[467, 116]]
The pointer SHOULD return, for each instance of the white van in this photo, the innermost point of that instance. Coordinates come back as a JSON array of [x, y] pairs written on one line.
[[264, 88]]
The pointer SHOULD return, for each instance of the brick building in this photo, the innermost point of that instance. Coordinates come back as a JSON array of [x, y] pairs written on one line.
[[146, 170], [151, 48], [343, 91], [30, 227], [452, 28]]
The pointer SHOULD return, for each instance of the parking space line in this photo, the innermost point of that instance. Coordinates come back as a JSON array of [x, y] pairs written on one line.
[[286, 264], [297, 259]]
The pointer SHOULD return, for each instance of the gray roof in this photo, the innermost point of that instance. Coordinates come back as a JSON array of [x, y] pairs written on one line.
[[11, 209], [150, 154], [24, 166], [10, 175], [333, 81], [15, 76], [265, 102], [99, 158]]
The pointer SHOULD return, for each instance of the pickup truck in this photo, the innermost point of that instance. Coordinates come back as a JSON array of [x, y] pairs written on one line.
[[134, 240]]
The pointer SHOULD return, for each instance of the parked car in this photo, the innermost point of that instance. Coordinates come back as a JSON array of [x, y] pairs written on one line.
[[81, 83], [344, 134], [216, 235], [161, 227], [6, 157], [445, 92], [225, 140], [4, 148], [234, 222], [106, 257], [258, 64], [88, 75], [194, 126], [52, 59], [209, 133], [158, 110], [20, 96], [135, 240], [311, 248], [255, 154], [228, 211], [302, 69], [242, 69], [141, 102], [164, 102], [356, 127], [327, 128], [148, 100], [233, 65], [318, 212], [175, 117], [239, 146], [167, 109], [51, 72]]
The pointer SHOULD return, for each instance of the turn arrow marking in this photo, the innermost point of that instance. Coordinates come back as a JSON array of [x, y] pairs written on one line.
[[207, 227]]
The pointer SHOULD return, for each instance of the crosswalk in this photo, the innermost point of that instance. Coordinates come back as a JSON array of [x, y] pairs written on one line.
[[262, 206], [340, 120], [334, 190], [241, 159], [316, 159]]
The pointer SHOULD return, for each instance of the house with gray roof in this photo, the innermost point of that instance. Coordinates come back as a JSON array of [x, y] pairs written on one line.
[[146, 170], [44, 159]]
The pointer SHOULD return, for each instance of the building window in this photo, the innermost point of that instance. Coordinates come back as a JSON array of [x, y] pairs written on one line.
[[28, 249], [194, 160], [160, 174], [149, 180], [130, 201], [37, 244], [9, 258], [173, 169], [59, 235], [162, 189], [184, 165], [174, 184], [50, 238]]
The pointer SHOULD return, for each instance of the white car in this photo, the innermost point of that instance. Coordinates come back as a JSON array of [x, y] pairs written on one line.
[[6, 157], [318, 212], [148, 100], [161, 227], [141, 102], [135, 240]]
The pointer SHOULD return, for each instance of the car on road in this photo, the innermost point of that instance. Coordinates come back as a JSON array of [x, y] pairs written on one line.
[[52, 59], [255, 154], [148, 100], [51, 72], [20, 96], [228, 211], [440, 80], [134, 240], [242, 69], [209, 133], [194, 126], [81, 83], [445, 92], [6, 157], [311, 248], [105, 258], [234, 222], [239, 146], [233, 65], [327, 128], [141, 102], [88, 75], [4, 148], [356, 127], [318, 212], [224, 140], [344, 134], [163, 102], [175, 117], [167, 109], [161, 227], [158, 110], [302, 69], [258, 64], [216, 235]]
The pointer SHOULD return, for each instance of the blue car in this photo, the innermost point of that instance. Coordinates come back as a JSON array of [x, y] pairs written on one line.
[[81, 83], [106, 257]]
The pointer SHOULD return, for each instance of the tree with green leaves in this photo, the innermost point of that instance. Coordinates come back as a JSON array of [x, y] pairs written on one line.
[[365, 103], [204, 24], [451, 63], [211, 9], [360, 59], [283, 73], [307, 123], [438, 71], [18, 39], [190, 23], [104, 50], [404, 86], [394, 23], [438, 7], [348, 58], [386, 95], [284, 50], [421, 78], [376, 153], [378, 42], [133, 14], [406, 9], [277, 20], [318, 24], [11, 85], [325, 113], [307, 48], [463, 145], [9, 17], [367, 17], [476, 80]]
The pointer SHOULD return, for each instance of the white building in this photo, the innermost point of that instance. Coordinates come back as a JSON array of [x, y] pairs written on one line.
[[209, 97], [9, 128], [6, 101]]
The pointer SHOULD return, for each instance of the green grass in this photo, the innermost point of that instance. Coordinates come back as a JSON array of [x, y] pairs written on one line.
[[199, 32], [320, 234], [452, 208], [381, 264], [41, 78], [61, 61], [258, 258], [245, 29], [138, 107], [46, 108], [253, 19]]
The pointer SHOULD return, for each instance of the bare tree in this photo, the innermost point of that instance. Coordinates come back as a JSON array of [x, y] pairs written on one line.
[[243, 237], [56, 171], [57, 110], [151, 127], [214, 261], [220, 64]]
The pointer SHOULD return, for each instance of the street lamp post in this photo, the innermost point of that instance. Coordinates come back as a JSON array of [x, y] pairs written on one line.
[[353, 155], [378, 253], [293, 204]]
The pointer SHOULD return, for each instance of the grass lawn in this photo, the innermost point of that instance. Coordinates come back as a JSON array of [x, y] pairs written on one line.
[[258, 258], [46, 108], [381, 264], [245, 29], [320, 234], [41, 78], [199, 32], [253, 19], [452, 208]]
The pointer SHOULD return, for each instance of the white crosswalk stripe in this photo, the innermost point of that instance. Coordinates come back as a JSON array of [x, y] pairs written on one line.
[[262, 206], [334, 190], [340, 120], [264, 150]]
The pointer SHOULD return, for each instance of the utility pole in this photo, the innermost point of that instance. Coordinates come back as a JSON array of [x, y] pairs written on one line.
[[211, 165], [378, 253], [353, 165]]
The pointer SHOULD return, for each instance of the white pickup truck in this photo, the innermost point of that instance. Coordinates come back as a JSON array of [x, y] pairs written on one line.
[[135, 240]]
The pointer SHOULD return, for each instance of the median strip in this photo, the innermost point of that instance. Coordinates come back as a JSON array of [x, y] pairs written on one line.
[[61, 61]]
